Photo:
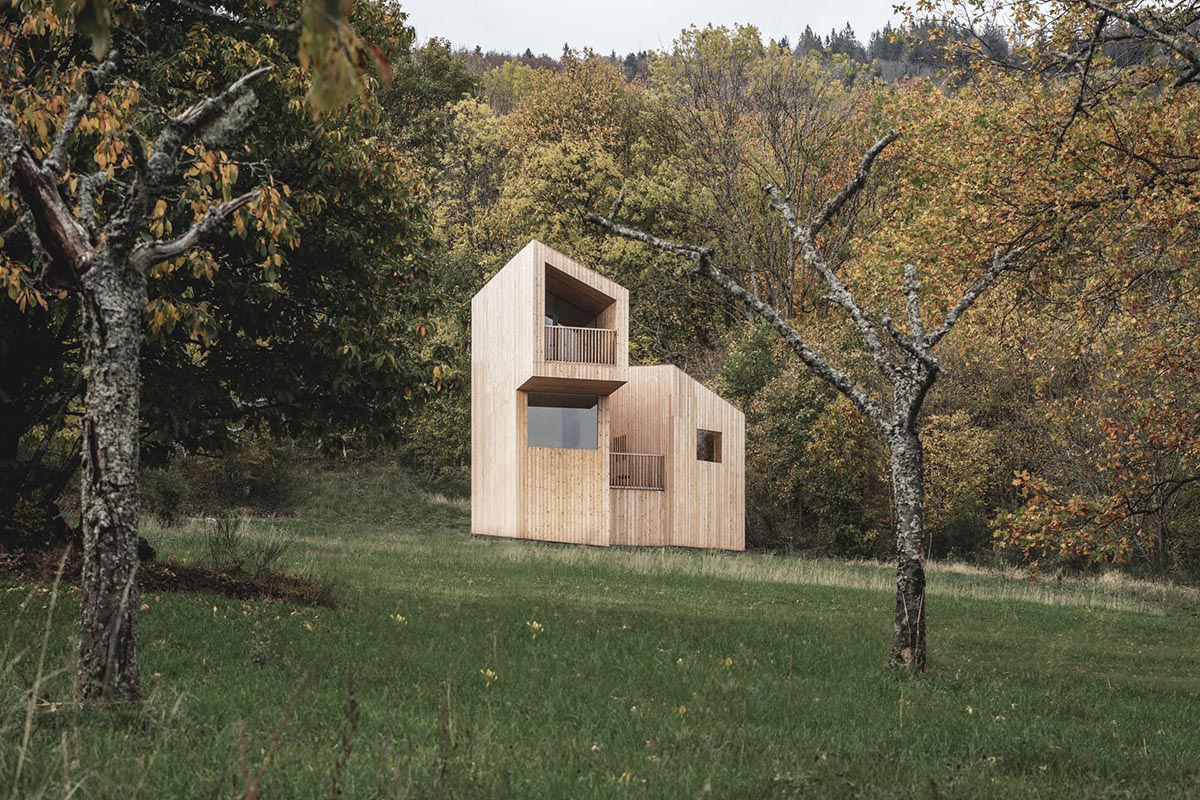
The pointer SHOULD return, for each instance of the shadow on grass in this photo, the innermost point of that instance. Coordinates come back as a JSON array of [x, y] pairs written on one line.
[[168, 575]]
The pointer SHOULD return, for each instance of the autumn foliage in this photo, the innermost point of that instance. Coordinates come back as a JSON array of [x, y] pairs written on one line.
[[1066, 428]]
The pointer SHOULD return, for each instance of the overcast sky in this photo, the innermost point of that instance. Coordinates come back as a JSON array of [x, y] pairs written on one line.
[[628, 25]]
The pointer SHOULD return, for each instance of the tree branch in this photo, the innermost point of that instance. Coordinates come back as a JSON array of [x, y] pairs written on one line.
[[94, 82], [146, 255], [1077, 107], [853, 186], [192, 122], [89, 187], [61, 235], [702, 258], [23, 223], [1001, 261], [924, 384], [157, 173], [912, 296], [909, 345], [838, 292], [1186, 50]]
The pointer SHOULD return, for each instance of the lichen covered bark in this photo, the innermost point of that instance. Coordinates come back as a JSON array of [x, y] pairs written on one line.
[[114, 299], [908, 638]]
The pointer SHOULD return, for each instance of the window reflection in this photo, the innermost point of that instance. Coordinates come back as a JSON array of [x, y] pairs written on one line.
[[563, 420]]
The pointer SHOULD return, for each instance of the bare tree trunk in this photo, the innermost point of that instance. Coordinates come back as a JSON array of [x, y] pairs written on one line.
[[114, 299], [908, 487]]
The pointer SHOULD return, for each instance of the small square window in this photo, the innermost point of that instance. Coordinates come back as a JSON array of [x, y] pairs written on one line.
[[708, 445]]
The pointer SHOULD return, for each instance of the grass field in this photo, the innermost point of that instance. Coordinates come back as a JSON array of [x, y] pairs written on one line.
[[463, 668]]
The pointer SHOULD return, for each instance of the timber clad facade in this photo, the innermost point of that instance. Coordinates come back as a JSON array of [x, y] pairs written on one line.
[[571, 444]]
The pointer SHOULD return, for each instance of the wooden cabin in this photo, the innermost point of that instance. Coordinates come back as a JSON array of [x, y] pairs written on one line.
[[571, 444]]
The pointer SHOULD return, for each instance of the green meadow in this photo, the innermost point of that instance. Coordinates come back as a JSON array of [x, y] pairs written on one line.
[[460, 667]]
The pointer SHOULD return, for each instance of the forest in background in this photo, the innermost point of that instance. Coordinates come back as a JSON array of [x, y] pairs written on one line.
[[1065, 433]]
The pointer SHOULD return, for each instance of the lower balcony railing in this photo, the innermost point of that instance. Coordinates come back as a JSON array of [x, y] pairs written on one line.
[[581, 345], [637, 471]]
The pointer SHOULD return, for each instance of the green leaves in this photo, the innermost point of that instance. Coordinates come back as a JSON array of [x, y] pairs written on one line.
[[330, 48]]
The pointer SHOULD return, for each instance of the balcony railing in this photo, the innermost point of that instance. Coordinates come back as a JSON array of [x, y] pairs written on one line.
[[581, 345], [637, 471]]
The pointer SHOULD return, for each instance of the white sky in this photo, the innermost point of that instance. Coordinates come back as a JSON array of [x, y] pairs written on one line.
[[628, 25]]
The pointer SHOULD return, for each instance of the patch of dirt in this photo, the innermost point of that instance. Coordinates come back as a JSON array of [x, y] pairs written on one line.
[[168, 575]]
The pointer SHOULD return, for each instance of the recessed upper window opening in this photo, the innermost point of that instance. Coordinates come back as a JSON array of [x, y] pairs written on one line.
[[568, 421], [573, 303], [708, 445], [563, 312]]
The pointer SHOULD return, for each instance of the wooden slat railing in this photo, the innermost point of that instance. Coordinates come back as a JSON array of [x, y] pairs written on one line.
[[581, 345], [637, 471]]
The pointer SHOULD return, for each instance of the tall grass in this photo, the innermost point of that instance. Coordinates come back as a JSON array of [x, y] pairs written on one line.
[[465, 667]]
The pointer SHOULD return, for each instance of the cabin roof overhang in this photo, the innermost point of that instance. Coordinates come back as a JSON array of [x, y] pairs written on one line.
[[550, 383]]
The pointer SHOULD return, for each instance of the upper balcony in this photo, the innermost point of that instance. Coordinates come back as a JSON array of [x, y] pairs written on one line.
[[581, 345], [551, 325], [583, 330]]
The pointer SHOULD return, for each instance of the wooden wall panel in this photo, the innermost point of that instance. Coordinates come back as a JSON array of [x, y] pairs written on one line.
[[564, 492], [643, 406], [708, 499], [640, 518], [659, 411], [502, 350], [642, 413]]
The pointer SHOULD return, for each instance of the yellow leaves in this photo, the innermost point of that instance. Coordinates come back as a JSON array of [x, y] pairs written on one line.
[[399, 619], [535, 628], [159, 225], [228, 174], [164, 315], [42, 126], [203, 264], [960, 459], [19, 285], [489, 677]]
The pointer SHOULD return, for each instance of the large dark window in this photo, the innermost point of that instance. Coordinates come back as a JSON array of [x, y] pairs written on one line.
[[562, 312], [563, 420], [708, 445]]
